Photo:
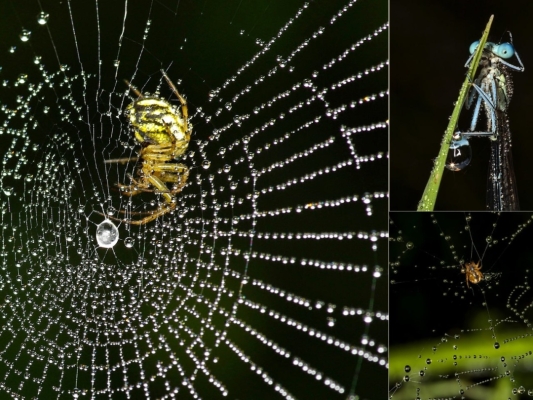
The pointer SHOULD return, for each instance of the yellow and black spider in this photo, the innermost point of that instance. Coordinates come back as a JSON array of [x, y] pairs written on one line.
[[164, 132]]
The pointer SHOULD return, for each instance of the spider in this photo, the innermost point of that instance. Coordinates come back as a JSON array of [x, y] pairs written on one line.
[[164, 132], [473, 272]]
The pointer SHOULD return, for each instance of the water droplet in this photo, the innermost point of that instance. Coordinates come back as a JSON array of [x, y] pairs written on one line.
[[25, 35], [206, 164], [42, 18], [21, 79], [107, 234], [128, 242], [459, 155]]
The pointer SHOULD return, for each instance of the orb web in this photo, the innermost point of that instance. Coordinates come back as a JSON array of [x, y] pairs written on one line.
[[465, 339], [267, 279]]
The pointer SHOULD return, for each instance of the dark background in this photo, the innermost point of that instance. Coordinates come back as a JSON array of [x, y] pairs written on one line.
[[429, 46]]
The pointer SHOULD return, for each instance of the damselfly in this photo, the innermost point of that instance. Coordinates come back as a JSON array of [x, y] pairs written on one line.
[[492, 90]]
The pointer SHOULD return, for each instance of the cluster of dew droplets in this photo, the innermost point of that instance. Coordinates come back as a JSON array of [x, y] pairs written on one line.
[[247, 142]]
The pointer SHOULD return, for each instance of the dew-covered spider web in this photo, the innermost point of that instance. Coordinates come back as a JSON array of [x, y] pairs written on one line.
[[267, 277], [453, 338]]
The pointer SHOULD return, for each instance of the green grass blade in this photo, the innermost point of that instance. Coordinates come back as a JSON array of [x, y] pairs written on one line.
[[427, 202]]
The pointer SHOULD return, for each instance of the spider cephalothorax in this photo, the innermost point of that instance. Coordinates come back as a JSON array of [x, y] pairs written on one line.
[[164, 132]]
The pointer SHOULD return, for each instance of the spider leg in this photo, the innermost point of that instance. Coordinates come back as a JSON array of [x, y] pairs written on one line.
[[183, 102], [172, 173], [160, 186], [121, 160], [134, 212], [132, 88], [153, 215], [171, 168], [156, 214], [135, 188]]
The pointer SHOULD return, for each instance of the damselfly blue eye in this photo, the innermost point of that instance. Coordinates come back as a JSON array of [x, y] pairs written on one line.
[[473, 46], [504, 50]]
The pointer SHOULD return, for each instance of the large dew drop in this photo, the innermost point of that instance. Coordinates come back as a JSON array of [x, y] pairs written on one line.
[[106, 234]]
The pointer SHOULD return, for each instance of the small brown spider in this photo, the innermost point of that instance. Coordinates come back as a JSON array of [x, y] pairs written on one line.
[[473, 272]]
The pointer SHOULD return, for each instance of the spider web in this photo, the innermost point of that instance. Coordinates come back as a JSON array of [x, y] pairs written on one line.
[[465, 341], [267, 280]]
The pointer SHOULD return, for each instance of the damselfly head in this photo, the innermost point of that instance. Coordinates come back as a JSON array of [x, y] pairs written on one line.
[[502, 50]]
